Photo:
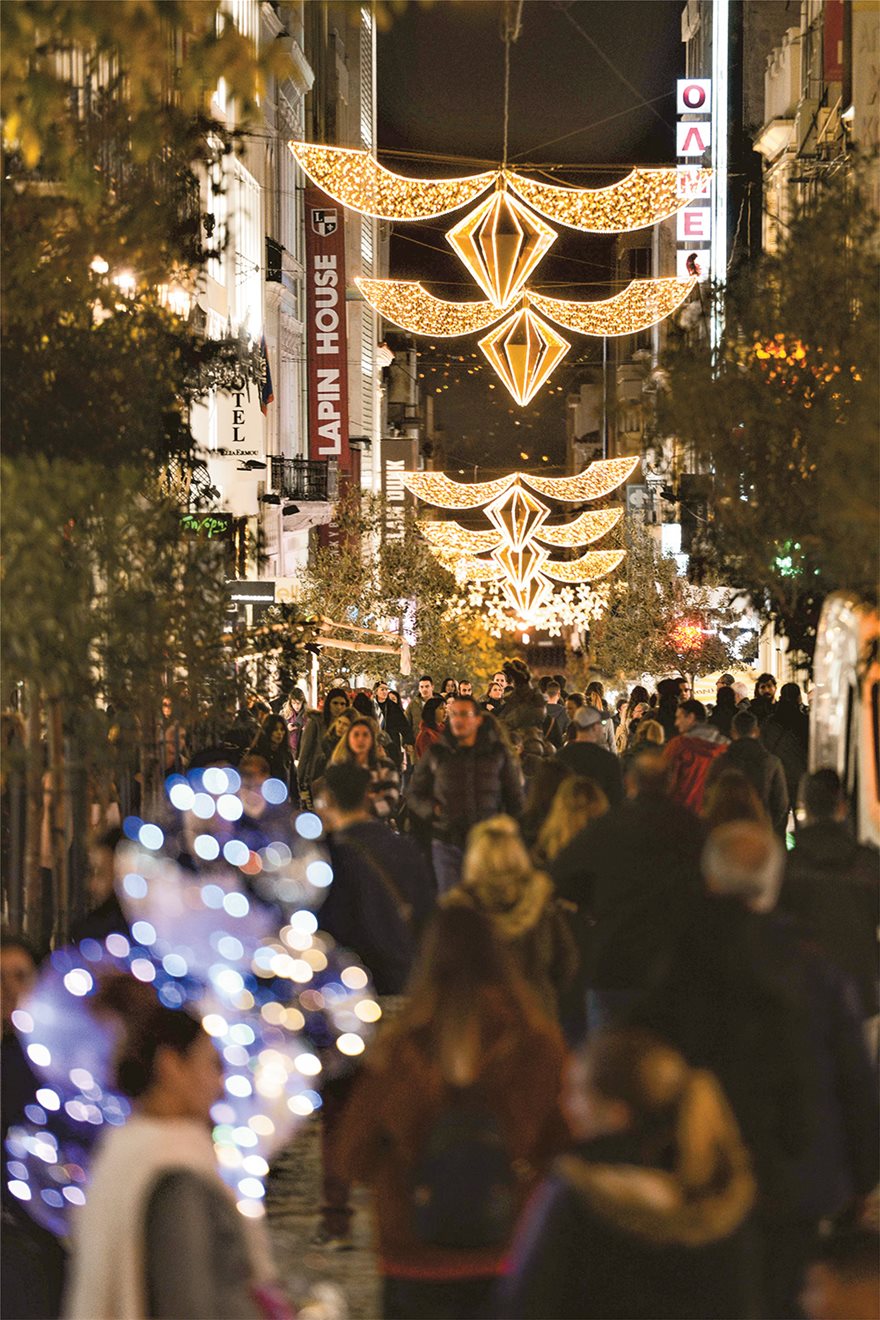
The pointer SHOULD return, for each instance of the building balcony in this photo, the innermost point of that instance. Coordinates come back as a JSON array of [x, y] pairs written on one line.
[[305, 480]]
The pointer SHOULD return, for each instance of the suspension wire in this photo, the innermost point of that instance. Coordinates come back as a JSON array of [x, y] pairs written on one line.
[[511, 26]]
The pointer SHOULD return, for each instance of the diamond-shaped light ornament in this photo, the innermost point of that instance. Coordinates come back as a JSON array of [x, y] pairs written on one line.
[[518, 515], [501, 243], [524, 350]]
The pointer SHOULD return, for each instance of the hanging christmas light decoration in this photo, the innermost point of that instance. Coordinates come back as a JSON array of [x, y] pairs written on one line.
[[501, 243], [641, 304], [641, 199], [517, 548], [357, 180], [409, 305], [524, 350], [589, 527]]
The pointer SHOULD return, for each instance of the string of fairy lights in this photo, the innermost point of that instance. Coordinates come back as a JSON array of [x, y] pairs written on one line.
[[501, 242]]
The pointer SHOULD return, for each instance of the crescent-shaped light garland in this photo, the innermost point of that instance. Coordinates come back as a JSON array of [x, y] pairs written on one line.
[[409, 305], [437, 488], [594, 564], [599, 479], [589, 527], [641, 304], [357, 180], [642, 198], [450, 538]]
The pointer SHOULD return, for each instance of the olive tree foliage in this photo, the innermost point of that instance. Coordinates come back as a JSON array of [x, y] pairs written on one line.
[[786, 418], [659, 623]]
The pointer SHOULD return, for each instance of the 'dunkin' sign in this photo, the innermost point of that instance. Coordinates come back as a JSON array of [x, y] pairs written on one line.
[[326, 340]]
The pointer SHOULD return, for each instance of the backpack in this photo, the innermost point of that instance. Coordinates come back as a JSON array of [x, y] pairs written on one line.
[[463, 1183]]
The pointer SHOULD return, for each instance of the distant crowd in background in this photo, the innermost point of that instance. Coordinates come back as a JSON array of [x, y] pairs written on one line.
[[629, 956]]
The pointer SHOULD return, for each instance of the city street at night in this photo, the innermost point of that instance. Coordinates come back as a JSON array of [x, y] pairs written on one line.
[[440, 660]]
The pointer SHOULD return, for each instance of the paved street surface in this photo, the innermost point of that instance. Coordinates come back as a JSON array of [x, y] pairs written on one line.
[[293, 1199]]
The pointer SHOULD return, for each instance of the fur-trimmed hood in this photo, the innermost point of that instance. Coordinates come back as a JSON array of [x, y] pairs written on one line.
[[515, 906], [679, 1207]]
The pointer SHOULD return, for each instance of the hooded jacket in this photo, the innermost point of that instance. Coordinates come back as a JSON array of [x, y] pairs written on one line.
[[529, 920], [610, 1235], [523, 708], [455, 787], [688, 758]]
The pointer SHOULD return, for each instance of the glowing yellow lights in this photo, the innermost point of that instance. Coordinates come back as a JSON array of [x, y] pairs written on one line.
[[501, 243], [450, 538], [641, 304], [409, 305], [358, 181], [589, 527], [642, 198], [596, 481], [517, 547], [524, 349], [594, 564]]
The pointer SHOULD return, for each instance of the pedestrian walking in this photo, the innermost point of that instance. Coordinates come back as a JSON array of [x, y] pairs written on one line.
[[360, 746], [648, 1215], [464, 778], [417, 705], [730, 797], [577, 801], [763, 770], [455, 1116], [540, 794], [523, 708], [589, 757], [431, 725], [272, 743], [786, 734], [317, 726], [690, 753]]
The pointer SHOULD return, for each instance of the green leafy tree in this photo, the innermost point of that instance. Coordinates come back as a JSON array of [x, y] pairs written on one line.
[[787, 418]]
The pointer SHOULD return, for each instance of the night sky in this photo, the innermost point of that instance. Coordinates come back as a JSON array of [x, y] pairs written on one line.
[[440, 91]]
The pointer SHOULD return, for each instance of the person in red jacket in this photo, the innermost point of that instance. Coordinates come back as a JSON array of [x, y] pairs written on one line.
[[689, 755]]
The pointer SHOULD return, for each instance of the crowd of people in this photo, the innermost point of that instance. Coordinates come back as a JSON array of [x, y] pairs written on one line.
[[628, 960]]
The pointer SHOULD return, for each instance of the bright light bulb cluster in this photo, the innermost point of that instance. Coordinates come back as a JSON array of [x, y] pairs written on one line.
[[642, 198], [518, 558], [574, 606], [637, 307], [358, 181], [409, 305], [589, 527], [524, 350]]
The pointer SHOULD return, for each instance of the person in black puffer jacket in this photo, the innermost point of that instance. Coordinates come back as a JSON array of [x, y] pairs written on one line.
[[524, 706], [465, 778]]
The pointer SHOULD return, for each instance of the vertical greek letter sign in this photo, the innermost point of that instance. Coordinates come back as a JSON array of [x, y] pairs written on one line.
[[326, 339]]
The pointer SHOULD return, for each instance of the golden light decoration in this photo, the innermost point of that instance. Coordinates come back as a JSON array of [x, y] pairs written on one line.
[[637, 307], [599, 479], [358, 181], [524, 350], [589, 527], [501, 243], [450, 538], [408, 304], [594, 564], [642, 198], [517, 547]]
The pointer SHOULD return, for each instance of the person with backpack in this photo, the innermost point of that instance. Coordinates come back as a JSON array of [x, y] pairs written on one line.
[[455, 1116]]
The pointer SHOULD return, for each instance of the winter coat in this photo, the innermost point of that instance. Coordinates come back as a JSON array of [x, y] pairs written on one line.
[[396, 1103], [310, 751], [596, 763], [396, 728], [633, 874], [609, 1237], [384, 791], [455, 787], [763, 771], [688, 758], [523, 708], [381, 896], [788, 738], [426, 738], [534, 927], [780, 1028], [832, 887]]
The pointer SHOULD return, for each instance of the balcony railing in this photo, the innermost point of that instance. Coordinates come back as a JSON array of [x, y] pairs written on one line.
[[306, 479]]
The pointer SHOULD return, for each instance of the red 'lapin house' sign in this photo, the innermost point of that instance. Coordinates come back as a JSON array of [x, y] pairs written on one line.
[[326, 339]]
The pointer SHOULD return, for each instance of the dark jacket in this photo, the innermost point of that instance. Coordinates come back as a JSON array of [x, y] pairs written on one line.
[[779, 1027], [633, 874], [396, 728], [832, 887], [455, 787], [381, 896], [523, 708], [310, 753], [763, 771], [609, 1237], [786, 734], [596, 763]]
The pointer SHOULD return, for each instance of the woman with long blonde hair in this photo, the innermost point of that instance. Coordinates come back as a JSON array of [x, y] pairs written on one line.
[[578, 800]]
